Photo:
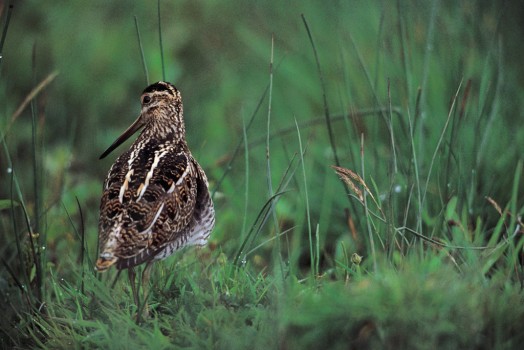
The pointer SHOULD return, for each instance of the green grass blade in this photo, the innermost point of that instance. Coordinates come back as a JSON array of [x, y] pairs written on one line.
[[314, 270], [323, 88], [141, 48], [4, 32], [160, 41], [441, 138]]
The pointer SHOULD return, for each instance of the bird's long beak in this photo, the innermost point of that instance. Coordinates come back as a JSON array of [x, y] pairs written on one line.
[[137, 125]]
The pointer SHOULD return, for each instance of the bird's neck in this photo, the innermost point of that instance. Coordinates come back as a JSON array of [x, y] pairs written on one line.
[[163, 132], [163, 126]]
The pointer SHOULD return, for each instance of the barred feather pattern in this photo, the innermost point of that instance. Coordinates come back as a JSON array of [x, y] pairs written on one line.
[[156, 198]]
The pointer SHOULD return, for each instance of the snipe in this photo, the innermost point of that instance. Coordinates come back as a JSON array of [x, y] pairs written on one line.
[[155, 198]]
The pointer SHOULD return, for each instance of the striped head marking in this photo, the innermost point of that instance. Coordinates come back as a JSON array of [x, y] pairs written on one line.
[[161, 86], [159, 93], [161, 114], [162, 108]]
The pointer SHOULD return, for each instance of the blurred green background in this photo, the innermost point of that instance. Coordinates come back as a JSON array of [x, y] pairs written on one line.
[[404, 61], [218, 55]]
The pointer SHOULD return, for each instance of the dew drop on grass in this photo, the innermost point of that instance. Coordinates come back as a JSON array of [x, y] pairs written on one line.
[[9, 170], [398, 188]]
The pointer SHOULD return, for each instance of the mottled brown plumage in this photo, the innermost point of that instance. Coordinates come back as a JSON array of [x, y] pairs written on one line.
[[155, 198]]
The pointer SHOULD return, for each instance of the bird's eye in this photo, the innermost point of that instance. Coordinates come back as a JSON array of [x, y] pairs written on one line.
[[146, 99]]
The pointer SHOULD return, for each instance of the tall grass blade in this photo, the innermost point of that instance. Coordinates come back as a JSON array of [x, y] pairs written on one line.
[[515, 196], [323, 87], [494, 112], [24, 284], [368, 219], [308, 211], [39, 252], [19, 284], [277, 250], [246, 166], [428, 53], [268, 124], [404, 51], [81, 237], [259, 222], [4, 32], [240, 143], [160, 41], [441, 138], [317, 252], [415, 166], [367, 74], [34, 92], [378, 46], [264, 212], [391, 132], [141, 48]]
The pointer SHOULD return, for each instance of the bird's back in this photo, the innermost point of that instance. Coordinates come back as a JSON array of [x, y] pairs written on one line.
[[155, 201]]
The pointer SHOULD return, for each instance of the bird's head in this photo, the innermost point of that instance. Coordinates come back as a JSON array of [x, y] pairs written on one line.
[[158, 97], [161, 114]]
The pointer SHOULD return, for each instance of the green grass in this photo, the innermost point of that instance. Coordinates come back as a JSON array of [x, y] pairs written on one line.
[[415, 243]]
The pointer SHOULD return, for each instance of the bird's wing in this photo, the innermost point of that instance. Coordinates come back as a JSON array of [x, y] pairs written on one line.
[[202, 221], [149, 198], [204, 212]]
